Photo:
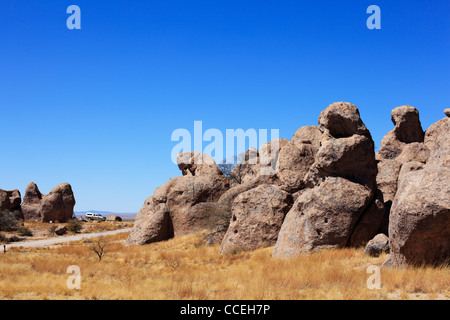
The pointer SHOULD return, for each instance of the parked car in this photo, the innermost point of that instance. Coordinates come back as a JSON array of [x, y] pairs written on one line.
[[94, 216]]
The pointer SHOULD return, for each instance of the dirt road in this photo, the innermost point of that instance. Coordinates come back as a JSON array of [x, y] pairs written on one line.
[[55, 240]]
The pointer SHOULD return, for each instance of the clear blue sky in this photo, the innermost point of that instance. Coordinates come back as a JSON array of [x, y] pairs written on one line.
[[96, 107]]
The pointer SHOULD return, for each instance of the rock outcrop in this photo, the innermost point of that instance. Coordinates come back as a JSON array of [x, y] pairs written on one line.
[[10, 202], [325, 188], [419, 226], [55, 206], [402, 149], [183, 204]]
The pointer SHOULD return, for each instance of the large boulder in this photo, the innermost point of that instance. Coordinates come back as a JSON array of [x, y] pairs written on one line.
[[341, 120], [152, 223], [351, 157], [339, 198], [419, 227], [56, 206], [257, 216], [322, 217], [183, 204], [346, 147]]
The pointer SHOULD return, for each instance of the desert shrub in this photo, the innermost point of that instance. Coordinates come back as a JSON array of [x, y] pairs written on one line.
[[8, 221], [218, 223], [52, 230], [74, 226], [14, 238], [24, 232], [98, 247]]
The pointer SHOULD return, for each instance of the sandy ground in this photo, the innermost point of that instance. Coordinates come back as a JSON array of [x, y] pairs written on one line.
[[61, 239]]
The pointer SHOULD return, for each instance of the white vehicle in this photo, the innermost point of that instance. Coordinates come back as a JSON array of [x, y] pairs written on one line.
[[94, 216]]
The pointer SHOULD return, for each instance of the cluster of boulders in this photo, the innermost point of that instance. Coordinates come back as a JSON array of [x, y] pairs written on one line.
[[57, 206], [324, 188]]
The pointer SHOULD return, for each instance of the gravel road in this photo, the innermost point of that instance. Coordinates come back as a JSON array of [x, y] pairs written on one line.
[[55, 240]]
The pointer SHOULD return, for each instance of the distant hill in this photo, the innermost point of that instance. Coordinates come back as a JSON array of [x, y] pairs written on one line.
[[123, 215]]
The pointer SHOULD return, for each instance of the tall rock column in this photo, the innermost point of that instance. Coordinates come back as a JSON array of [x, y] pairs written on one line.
[[419, 228]]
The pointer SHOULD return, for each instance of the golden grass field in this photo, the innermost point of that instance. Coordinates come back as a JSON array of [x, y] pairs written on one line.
[[185, 268]]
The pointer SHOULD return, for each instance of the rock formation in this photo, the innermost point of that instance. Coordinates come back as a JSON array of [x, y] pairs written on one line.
[[401, 145], [341, 189], [55, 206], [324, 188], [401, 149], [10, 202], [419, 226], [183, 204]]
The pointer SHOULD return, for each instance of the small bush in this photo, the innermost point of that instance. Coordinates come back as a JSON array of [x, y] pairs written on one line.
[[99, 247], [8, 221], [52, 230], [14, 238], [24, 232], [74, 226]]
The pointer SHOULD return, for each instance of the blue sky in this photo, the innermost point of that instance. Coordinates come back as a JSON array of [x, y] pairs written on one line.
[[96, 107]]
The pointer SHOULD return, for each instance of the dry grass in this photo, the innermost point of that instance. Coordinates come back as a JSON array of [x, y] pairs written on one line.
[[42, 229], [184, 268], [93, 226]]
